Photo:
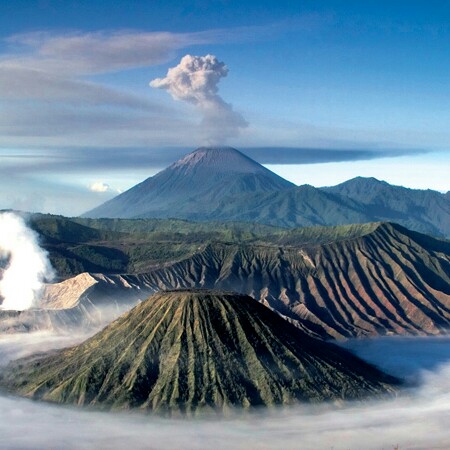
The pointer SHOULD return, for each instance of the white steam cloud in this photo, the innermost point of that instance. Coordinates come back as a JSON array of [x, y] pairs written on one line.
[[27, 267], [195, 80]]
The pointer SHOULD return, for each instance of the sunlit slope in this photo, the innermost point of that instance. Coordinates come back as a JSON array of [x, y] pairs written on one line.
[[354, 280], [186, 350], [387, 280]]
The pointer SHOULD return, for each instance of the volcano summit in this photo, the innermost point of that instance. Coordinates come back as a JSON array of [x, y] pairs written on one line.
[[194, 185]]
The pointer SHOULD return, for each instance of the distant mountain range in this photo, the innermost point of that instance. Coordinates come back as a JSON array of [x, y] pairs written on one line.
[[425, 211], [222, 184], [184, 351]]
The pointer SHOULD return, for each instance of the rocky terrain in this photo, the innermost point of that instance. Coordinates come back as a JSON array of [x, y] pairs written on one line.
[[83, 303], [388, 280], [351, 281]]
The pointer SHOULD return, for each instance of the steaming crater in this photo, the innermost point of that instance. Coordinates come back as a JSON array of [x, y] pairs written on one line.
[[27, 266]]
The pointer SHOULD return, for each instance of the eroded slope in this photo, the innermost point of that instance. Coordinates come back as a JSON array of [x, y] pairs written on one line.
[[187, 350]]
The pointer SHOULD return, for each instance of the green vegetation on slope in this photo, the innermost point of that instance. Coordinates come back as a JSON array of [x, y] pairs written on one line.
[[80, 245], [190, 350], [334, 282]]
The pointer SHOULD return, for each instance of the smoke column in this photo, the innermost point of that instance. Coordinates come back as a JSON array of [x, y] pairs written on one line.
[[195, 80], [28, 265]]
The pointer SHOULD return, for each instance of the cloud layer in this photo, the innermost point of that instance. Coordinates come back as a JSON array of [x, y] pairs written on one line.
[[195, 80], [52, 94], [417, 421], [72, 160]]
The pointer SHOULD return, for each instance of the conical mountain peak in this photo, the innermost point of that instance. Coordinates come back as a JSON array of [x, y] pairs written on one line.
[[198, 183], [189, 350], [219, 159]]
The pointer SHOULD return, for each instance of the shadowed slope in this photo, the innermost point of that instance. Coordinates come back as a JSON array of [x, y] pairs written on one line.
[[220, 183], [301, 206], [184, 350], [426, 211]]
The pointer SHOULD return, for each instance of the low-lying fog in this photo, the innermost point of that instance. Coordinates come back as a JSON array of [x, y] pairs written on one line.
[[418, 421]]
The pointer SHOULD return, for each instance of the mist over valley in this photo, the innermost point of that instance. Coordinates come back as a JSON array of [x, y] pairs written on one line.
[[418, 419], [224, 225]]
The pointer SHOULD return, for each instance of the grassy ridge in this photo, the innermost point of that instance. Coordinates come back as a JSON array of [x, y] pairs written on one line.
[[133, 246], [334, 282]]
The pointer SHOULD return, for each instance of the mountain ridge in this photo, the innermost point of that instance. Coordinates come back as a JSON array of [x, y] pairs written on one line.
[[421, 209], [221, 183], [333, 282], [383, 282]]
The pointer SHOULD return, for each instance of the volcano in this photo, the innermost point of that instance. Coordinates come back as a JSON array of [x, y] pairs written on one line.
[[222, 184], [194, 349], [197, 183]]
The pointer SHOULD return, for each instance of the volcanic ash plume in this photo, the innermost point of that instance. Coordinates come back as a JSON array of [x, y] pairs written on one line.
[[27, 266], [195, 80]]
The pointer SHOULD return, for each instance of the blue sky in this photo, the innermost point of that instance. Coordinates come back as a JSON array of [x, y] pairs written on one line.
[[78, 117]]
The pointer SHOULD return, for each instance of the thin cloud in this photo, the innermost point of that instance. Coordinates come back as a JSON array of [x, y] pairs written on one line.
[[289, 155], [21, 83], [47, 100], [81, 53], [50, 66], [70, 160], [43, 125]]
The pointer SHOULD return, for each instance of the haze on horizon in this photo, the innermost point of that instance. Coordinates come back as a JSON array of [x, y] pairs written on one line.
[[354, 89]]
